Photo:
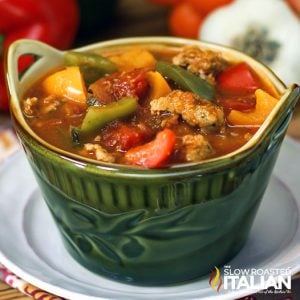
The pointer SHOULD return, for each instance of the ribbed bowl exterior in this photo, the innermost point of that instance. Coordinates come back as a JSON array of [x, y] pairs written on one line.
[[152, 231]]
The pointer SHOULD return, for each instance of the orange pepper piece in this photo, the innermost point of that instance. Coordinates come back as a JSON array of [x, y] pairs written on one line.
[[67, 83], [134, 59], [264, 105], [158, 85]]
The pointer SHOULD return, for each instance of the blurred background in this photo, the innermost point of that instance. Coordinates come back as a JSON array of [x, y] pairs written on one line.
[[269, 30]]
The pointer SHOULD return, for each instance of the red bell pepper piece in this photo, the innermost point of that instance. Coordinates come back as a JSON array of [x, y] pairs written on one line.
[[154, 153], [238, 78], [52, 21]]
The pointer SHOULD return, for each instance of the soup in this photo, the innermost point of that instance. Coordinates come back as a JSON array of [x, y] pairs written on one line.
[[148, 107]]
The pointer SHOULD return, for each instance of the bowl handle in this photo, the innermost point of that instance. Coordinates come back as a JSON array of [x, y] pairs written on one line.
[[285, 115], [47, 56]]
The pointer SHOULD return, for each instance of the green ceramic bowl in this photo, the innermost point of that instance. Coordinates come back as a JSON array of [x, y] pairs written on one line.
[[150, 227]]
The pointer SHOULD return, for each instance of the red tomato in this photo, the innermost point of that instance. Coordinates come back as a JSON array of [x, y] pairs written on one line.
[[122, 137], [206, 6], [120, 84], [185, 20], [238, 78], [154, 153], [243, 103]]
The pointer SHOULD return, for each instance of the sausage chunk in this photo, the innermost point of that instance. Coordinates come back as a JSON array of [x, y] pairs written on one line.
[[28, 106], [192, 109], [99, 152], [45, 106], [204, 63], [196, 147]]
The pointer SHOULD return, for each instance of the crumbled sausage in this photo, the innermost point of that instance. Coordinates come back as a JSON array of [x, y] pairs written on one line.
[[194, 110], [204, 63], [44, 106], [100, 153], [49, 104], [28, 106], [196, 147]]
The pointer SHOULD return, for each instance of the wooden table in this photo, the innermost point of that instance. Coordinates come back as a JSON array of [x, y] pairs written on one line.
[[134, 20]]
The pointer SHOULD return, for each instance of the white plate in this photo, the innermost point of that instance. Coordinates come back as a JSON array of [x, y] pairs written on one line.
[[30, 245]]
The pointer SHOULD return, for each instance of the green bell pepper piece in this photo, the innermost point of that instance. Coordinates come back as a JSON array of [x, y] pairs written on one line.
[[98, 116], [186, 80], [92, 66]]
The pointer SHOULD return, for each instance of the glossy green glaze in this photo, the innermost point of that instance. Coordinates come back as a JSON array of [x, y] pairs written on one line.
[[159, 226], [168, 231]]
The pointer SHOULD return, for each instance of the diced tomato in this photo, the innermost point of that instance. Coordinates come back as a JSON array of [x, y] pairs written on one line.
[[121, 136], [238, 78], [120, 84], [154, 153], [242, 103]]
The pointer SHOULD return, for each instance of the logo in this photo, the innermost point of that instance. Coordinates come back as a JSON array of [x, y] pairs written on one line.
[[279, 280], [215, 280]]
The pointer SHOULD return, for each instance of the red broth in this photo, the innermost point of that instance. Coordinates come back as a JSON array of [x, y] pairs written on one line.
[[168, 123]]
